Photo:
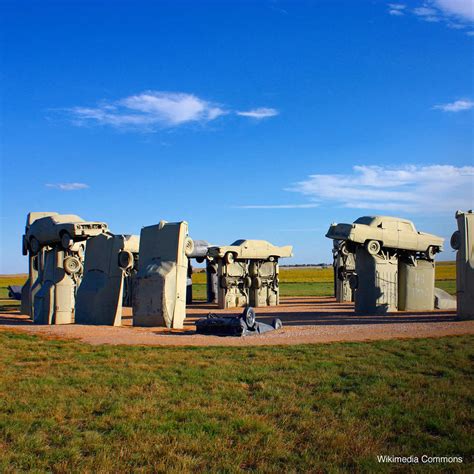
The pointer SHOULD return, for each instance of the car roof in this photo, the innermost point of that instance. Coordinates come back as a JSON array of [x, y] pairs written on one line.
[[374, 220], [66, 218]]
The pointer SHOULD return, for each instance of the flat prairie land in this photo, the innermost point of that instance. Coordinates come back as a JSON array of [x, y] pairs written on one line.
[[72, 407], [294, 281]]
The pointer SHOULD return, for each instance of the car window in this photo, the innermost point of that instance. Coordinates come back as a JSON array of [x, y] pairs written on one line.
[[390, 225], [367, 220], [405, 227]]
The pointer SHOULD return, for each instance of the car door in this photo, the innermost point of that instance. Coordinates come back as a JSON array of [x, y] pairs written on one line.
[[390, 234], [407, 236]]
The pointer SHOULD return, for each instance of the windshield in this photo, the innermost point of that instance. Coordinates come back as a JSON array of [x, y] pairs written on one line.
[[367, 220]]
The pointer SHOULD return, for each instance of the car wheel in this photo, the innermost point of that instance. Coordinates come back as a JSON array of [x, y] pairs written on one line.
[[66, 241], [72, 265], [257, 282], [223, 282], [431, 252], [188, 246], [249, 317], [456, 240], [247, 282], [35, 246], [373, 247], [229, 258], [343, 249], [125, 259], [277, 324], [200, 259]]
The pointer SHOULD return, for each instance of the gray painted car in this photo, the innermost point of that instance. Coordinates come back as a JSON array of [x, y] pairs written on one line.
[[250, 250], [376, 232], [60, 228]]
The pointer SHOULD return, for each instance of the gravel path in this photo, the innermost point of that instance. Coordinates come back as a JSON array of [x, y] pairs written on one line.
[[305, 320]]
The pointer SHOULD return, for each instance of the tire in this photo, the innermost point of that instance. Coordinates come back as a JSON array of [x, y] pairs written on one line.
[[248, 316], [229, 258], [277, 324], [125, 259], [373, 247], [247, 282], [66, 241], [343, 249], [257, 282], [200, 259], [223, 282], [431, 251], [456, 240], [35, 246], [72, 265], [188, 246]]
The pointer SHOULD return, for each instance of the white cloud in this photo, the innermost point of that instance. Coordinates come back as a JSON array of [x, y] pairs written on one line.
[[68, 186], [456, 14], [260, 113], [278, 206], [415, 189], [456, 106], [470, 33], [156, 109], [397, 6], [149, 109], [462, 9]]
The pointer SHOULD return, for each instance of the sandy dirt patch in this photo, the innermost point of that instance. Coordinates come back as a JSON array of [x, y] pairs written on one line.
[[305, 320]]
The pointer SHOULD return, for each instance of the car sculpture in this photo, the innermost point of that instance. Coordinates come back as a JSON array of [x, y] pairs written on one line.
[[60, 228], [250, 250], [375, 232]]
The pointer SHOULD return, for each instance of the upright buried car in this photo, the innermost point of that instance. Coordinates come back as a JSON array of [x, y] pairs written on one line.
[[375, 232], [250, 250], [60, 228]]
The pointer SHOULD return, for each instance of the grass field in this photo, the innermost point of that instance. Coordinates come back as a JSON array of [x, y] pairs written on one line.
[[293, 282], [71, 407]]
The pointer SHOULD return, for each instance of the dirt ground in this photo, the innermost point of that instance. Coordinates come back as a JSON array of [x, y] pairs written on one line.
[[305, 320]]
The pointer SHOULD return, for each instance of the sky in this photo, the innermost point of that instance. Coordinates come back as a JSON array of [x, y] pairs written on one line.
[[248, 119]]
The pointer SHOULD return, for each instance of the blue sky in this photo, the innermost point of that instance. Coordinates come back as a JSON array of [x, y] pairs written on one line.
[[265, 120]]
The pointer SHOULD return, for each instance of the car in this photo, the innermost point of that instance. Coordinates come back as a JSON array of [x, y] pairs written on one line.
[[64, 229], [377, 232], [250, 250]]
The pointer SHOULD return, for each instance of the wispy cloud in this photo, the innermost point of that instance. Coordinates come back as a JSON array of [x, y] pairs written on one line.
[[150, 110], [456, 106], [462, 9], [412, 188], [396, 9], [260, 113], [278, 206], [68, 186], [456, 14]]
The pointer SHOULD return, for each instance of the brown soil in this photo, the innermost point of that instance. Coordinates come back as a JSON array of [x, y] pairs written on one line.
[[305, 320]]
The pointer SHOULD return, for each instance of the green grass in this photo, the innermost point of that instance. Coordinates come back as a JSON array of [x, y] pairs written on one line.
[[71, 407]]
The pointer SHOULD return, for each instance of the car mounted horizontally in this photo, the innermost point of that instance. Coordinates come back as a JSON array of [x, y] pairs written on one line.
[[59, 228], [377, 232]]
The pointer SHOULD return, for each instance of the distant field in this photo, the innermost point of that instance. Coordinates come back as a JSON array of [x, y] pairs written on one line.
[[319, 281], [293, 282], [71, 407]]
